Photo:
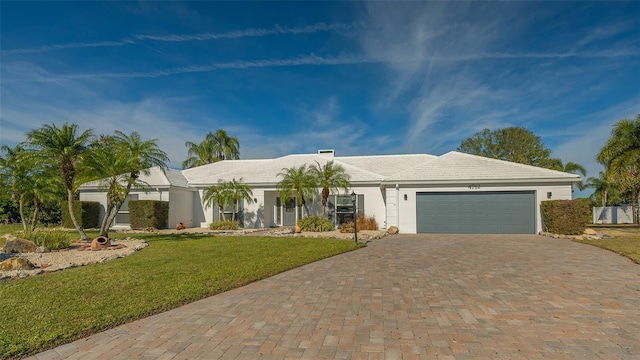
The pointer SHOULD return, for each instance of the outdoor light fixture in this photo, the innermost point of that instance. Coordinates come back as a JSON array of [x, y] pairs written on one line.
[[354, 200], [405, 197], [549, 195]]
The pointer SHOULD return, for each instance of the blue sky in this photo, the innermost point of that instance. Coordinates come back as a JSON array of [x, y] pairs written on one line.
[[295, 77]]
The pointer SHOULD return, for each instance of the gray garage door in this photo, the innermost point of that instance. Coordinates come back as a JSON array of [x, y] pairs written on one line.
[[476, 212]]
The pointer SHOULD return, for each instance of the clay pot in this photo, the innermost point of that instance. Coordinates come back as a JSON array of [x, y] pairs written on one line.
[[180, 226], [100, 243], [297, 229]]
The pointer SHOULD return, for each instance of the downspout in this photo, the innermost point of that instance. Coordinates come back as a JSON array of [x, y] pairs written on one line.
[[398, 206]]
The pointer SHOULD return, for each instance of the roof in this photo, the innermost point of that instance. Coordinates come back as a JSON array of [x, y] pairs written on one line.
[[157, 177], [456, 167], [452, 167]]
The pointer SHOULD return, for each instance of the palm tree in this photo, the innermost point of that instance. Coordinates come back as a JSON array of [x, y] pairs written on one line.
[[330, 177], [15, 170], [621, 158], [65, 149], [299, 181], [198, 154], [603, 188], [225, 147], [239, 192], [215, 147], [44, 188], [220, 194], [118, 161], [569, 167]]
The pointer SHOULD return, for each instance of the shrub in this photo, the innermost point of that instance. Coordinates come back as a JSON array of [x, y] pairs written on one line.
[[87, 214], [52, 239], [225, 225], [364, 223], [567, 217], [315, 223], [145, 214]]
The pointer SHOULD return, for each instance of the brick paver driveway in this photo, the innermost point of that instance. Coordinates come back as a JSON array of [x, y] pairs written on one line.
[[417, 296]]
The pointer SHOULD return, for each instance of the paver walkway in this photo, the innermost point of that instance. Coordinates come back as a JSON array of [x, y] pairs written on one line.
[[407, 297]]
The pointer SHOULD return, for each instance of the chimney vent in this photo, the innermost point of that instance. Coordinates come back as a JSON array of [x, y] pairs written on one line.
[[327, 153]]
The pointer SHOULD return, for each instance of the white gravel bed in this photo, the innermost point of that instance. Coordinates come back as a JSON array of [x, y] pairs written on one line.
[[71, 258]]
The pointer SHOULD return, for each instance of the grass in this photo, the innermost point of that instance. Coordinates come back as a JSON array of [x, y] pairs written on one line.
[[625, 240], [47, 310]]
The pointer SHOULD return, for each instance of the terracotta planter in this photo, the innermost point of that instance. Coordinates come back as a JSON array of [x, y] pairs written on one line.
[[297, 229], [100, 243]]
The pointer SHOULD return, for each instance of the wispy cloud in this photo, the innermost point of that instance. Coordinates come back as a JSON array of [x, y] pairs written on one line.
[[137, 38]]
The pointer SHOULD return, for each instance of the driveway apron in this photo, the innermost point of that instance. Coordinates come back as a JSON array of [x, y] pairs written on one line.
[[407, 297]]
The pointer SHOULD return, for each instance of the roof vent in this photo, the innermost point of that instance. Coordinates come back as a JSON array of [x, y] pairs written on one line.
[[327, 153]]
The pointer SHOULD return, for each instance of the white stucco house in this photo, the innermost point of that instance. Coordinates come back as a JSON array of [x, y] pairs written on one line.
[[418, 193]]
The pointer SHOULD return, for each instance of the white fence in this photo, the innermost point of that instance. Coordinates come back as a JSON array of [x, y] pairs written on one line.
[[613, 215]]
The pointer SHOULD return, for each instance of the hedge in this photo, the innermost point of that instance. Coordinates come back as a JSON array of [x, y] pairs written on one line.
[[145, 214], [87, 214], [567, 217]]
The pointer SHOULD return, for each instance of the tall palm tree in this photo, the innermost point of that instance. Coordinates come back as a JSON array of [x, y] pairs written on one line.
[[621, 158], [198, 154], [569, 167], [215, 147], [300, 181], [220, 194], [225, 147], [239, 192], [65, 148], [330, 177]]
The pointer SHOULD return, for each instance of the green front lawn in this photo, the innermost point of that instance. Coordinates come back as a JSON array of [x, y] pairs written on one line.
[[625, 240], [52, 309]]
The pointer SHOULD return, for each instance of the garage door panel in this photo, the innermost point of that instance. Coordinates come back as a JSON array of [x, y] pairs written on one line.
[[476, 212]]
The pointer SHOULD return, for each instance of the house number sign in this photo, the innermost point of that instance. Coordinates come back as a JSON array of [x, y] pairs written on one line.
[[474, 186]]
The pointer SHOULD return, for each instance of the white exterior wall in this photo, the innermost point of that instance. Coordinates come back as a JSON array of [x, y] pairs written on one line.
[[254, 212], [180, 207], [407, 208], [373, 203]]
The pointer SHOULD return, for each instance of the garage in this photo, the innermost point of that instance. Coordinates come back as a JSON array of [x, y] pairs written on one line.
[[499, 212]]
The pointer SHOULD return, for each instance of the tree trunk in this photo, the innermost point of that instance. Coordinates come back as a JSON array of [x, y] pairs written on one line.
[[224, 218], [233, 211], [83, 236], [109, 214], [325, 197], [36, 209], [21, 209]]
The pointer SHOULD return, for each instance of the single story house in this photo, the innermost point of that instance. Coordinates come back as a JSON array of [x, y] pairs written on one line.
[[418, 193]]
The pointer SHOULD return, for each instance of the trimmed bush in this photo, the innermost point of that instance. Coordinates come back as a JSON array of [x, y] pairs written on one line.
[[225, 225], [566, 217], [144, 214], [315, 223], [364, 223], [87, 214]]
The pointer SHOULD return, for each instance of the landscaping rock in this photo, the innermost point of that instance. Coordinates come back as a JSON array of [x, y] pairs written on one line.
[[16, 263], [42, 249], [17, 245], [392, 230], [589, 231]]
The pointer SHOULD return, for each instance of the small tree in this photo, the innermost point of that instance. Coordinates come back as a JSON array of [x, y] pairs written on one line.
[[239, 192], [64, 148], [300, 181], [220, 194], [329, 177]]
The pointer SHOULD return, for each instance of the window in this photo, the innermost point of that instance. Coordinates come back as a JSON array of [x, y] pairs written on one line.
[[122, 217]]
